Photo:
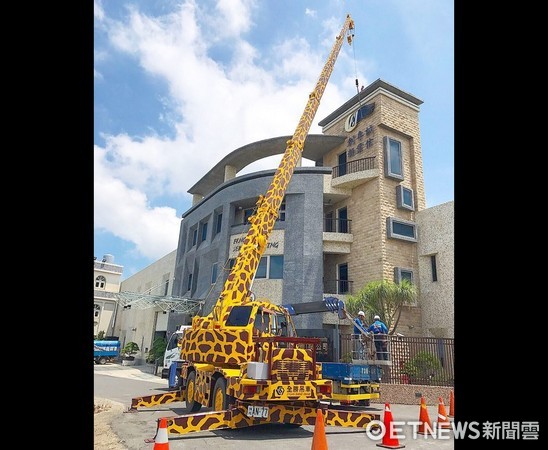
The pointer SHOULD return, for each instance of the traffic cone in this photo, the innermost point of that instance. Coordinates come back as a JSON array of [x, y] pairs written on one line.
[[319, 441], [451, 404], [387, 440], [425, 426], [443, 421], [161, 441]]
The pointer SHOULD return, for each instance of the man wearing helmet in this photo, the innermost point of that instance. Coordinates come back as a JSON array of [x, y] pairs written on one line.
[[379, 330], [360, 330]]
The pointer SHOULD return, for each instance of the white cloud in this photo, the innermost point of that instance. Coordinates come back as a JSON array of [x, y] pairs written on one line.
[[310, 12], [219, 108], [234, 17], [126, 213]]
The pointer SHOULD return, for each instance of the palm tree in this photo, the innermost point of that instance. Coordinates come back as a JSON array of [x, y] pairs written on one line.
[[385, 298]]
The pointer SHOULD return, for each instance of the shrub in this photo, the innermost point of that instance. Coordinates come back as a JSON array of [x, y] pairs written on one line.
[[423, 366]]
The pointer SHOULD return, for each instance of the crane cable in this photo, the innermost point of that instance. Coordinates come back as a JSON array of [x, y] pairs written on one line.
[[356, 74]]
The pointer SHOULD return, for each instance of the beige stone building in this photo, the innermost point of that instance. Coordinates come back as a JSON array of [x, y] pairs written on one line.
[[378, 175], [106, 281]]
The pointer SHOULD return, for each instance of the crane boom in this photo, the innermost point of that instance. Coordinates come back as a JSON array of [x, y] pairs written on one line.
[[236, 289], [244, 359]]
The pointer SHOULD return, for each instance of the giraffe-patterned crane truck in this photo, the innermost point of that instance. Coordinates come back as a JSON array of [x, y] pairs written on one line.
[[244, 360]]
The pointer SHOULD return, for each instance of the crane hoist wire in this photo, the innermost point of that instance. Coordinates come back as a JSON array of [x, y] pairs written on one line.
[[356, 73]]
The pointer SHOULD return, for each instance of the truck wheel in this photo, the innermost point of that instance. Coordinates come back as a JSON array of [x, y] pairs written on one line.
[[220, 399], [191, 404], [102, 360]]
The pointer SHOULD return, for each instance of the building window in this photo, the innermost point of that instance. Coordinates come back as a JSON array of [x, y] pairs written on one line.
[[343, 220], [204, 232], [434, 268], [247, 214], [271, 267], [401, 273], [329, 222], [100, 282], [214, 270], [281, 213], [393, 159], [401, 229], [189, 282], [342, 281], [261, 270], [276, 268], [195, 237], [218, 223], [97, 310], [404, 197]]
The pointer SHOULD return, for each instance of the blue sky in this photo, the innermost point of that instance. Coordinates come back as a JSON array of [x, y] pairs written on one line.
[[167, 73]]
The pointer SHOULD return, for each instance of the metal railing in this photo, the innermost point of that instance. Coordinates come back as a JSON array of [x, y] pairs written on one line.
[[336, 225], [358, 165], [409, 360], [337, 286]]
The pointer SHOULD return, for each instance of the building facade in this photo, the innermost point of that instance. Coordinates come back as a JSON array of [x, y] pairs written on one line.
[[346, 221], [436, 269], [106, 281], [142, 320]]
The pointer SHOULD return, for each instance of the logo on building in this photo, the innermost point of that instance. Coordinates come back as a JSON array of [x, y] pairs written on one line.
[[353, 119]]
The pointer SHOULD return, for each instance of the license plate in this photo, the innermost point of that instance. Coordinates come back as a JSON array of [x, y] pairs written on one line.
[[257, 411]]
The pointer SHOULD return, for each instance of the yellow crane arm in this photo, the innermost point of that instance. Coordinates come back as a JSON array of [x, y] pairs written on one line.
[[236, 289]]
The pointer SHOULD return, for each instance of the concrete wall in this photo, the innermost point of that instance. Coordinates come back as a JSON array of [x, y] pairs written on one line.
[[437, 237], [139, 325], [302, 238]]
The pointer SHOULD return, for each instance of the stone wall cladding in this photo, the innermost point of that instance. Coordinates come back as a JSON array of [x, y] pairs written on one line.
[[373, 256], [436, 233], [409, 394]]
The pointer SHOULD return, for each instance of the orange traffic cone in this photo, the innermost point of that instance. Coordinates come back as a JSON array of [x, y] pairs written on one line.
[[161, 441], [319, 441], [387, 440], [443, 421], [451, 404], [425, 426]]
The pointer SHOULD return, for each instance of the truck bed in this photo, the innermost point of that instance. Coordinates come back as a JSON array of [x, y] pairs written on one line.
[[347, 372]]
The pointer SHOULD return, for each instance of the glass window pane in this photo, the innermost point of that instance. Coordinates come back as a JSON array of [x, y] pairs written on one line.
[[407, 197], [276, 267], [395, 158], [214, 273], [239, 316], [219, 222], [406, 275], [403, 229], [261, 270], [204, 231]]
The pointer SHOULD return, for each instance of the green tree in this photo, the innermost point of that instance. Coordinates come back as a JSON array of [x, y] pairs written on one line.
[[157, 350], [385, 298], [130, 349]]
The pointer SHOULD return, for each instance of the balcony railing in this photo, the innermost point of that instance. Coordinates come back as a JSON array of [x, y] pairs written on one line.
[[337, 286], [336, 225], [358, 165]]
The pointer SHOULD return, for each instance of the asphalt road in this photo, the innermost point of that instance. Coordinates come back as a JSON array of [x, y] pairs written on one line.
[[120, 384]]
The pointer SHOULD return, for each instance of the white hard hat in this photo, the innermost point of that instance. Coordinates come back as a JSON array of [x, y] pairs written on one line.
[[361, 313], [377, 317]]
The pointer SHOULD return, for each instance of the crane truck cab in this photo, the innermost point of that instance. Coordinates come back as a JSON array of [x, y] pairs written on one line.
[[172, 357]]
